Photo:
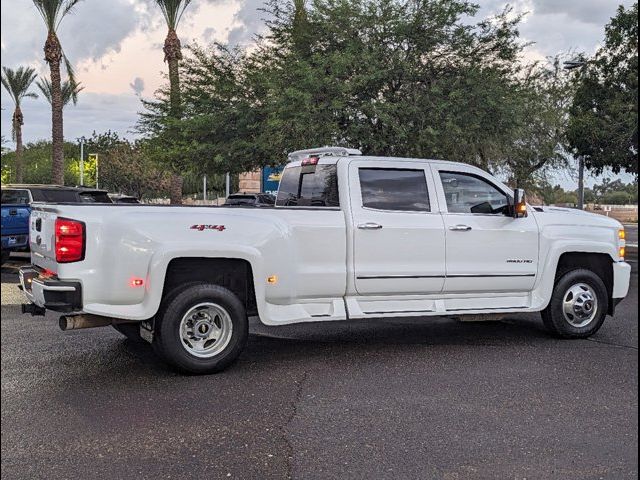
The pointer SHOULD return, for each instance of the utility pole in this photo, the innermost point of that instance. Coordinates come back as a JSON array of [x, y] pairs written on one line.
[[572, 65], [581, 182], [228, 186]]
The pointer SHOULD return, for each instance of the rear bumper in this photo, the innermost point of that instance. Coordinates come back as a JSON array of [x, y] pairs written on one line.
[[15, 242], [49, 292]]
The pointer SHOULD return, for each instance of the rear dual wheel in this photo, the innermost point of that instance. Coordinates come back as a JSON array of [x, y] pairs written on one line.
[[201, 328]]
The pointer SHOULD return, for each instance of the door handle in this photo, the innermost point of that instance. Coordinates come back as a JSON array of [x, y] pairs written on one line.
[[370, 226], [460, 228]]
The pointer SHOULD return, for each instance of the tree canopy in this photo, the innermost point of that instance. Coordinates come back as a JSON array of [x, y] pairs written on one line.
[[604, 117], [391, 77]]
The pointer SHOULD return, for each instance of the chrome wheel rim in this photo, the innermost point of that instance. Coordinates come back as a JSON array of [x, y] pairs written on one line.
[[205, 330], [580, 305]]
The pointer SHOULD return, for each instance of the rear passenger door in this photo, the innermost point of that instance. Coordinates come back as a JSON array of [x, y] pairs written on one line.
[[398, 233]]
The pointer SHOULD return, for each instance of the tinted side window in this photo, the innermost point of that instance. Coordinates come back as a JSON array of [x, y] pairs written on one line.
[[95, 197], [15, 197], [309, 186], [394, 189], [55, 196], [470, 194], [241, 200], [267, 199]]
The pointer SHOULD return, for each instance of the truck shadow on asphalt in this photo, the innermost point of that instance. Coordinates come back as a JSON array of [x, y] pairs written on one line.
[[269, 346]]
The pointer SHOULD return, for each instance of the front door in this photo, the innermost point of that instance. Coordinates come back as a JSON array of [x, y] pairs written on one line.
[[486, 250], [398, 233]]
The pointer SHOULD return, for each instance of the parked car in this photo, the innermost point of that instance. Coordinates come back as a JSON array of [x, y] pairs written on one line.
[[119, 198], [250, 200], [16, 207], [350, 237], [15, 221]]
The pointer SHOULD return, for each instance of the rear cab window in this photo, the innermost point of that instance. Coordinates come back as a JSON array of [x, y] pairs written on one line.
[[309, 185]]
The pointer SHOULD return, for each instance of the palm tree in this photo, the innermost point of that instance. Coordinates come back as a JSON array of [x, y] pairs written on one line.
[[172, 10], [52, 12], [17, 83], [70, 90]]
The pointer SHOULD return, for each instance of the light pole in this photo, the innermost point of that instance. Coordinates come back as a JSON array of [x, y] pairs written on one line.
[[204, 188], [572, 65], [81, 140]]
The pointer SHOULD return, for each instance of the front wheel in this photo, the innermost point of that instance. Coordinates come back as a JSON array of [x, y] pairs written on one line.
[[578, 306], [201, 329]]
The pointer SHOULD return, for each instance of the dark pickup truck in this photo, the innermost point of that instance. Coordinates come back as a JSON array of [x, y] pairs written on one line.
[[16, 208]]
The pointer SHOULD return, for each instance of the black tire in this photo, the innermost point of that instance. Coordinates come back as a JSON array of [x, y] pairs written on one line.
[[130, 330], [5, 257], [167, 341], [553, 316]]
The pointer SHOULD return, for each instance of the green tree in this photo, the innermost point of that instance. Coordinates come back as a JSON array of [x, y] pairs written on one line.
[[604, 117], [37, 156], [17, 83], [539, 143], [70, 91], [126, 167], [400, 78], [53, 12]]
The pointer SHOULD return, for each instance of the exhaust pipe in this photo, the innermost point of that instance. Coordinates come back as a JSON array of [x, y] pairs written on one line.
[[76, 322]]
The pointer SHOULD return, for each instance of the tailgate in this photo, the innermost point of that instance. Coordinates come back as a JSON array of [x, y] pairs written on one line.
[[42, 237], [15, 220]]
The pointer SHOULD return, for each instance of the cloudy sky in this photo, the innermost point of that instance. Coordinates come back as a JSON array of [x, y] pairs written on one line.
[[116, 47]]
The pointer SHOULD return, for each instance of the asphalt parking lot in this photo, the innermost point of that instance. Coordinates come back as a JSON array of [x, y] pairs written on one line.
[[402, 399]]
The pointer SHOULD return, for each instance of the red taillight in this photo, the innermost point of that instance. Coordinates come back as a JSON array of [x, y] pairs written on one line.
[[310, 161], [70, 239]]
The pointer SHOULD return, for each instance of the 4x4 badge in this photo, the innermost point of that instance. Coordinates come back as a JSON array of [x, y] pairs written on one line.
[[200, 228]]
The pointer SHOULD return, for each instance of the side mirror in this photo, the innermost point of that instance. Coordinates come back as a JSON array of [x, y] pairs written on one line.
[[519, 203]]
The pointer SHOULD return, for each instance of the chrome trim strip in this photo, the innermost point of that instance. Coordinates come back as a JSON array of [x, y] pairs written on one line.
[[382, 277]]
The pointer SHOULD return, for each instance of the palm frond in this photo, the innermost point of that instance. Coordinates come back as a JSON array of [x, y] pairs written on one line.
[[70, 90], [172, 11], [17, 82], [53, 11], [44, 85], [69, 68]]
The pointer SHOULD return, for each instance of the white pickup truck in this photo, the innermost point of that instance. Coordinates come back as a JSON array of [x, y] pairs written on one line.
[[350, 237]]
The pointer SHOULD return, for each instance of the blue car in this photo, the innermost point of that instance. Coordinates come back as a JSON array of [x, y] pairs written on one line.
[[16, 208]]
